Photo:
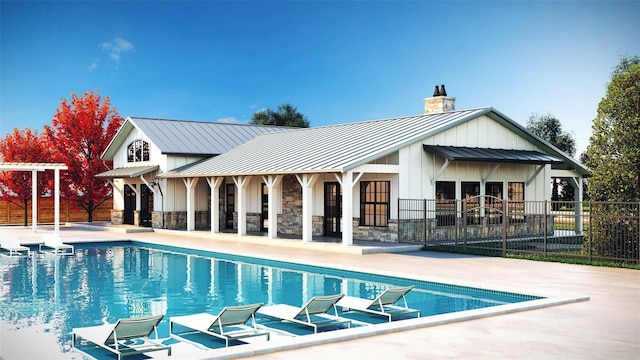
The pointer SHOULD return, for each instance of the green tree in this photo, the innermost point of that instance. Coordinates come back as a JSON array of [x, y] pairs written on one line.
[[549, 128], [286, 115], [584, 158], [614, 147], [613, 155]]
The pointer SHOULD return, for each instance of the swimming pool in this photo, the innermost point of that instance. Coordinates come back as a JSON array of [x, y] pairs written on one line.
[[46, 296]]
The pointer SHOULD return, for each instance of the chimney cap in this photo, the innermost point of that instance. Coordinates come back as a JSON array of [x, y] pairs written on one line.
[[439, 91], [443, 92]]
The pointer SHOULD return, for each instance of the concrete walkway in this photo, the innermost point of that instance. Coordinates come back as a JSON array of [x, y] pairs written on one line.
[[605, 327]]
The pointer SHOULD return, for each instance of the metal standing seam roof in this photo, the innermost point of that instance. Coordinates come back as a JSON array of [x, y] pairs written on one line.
[[131, 171], [189, 137], [453, 153], [334, 148]]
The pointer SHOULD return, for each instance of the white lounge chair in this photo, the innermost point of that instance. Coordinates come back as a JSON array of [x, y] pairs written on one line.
[[315, 313], [126, 337], [53, 243], [10, 243], [229, 324], [383, 304]]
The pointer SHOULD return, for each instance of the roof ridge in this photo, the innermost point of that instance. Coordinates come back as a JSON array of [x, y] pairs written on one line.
[[206, 122], [397, 118]]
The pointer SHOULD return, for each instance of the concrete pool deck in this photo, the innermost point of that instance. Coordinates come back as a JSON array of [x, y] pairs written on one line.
[[607, 326]]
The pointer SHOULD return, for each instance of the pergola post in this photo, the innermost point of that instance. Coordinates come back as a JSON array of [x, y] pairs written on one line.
[[56, 200], [34, 200], [34, 168]]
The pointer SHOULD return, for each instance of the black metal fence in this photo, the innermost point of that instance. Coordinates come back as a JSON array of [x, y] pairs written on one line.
[[485, 224]]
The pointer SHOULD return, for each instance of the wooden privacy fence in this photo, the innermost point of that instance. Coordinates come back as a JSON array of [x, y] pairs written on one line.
[[11, 213]]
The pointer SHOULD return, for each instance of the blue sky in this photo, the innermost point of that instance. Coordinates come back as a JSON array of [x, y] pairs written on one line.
[[337, 62]]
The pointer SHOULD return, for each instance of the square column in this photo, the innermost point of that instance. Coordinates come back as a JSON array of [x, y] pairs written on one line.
[[307, 181], [273, 183], [242, 182], [190, 183], [214, 184]]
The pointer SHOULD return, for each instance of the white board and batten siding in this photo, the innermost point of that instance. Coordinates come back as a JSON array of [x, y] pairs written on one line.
[[418, 167]]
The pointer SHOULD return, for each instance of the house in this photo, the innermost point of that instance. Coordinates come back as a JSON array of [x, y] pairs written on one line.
[[346, 180], [143, 148]]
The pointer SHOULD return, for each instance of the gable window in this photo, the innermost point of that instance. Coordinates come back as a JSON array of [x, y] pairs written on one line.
[[445, 203], [374, 203], [138, 151]]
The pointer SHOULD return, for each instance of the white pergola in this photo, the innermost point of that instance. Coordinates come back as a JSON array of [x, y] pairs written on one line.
[[34, 168]]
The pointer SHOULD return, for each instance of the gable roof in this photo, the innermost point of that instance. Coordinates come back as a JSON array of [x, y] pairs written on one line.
[[188, 137], [340, 148]]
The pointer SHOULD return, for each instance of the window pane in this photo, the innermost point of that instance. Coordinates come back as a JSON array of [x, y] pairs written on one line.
[[374, 203]]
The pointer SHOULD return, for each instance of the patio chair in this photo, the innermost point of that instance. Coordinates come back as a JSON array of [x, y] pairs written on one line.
[[53, 244], [230, 324], [315, 313], [10, 243], [383, 304], [127, 337]]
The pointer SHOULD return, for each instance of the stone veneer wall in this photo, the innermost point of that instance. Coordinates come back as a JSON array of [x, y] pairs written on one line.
[[175, 220], [117, 217], [156, 219], [317, 225], [374, 233], [253, 221], [412, 231], [291, 206]]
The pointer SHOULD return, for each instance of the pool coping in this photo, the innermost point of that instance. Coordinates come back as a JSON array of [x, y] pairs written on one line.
[[334, 336], [291, 343]]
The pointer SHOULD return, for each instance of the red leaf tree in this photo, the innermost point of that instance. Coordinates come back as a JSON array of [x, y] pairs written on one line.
[[81, 131], [27, 147]]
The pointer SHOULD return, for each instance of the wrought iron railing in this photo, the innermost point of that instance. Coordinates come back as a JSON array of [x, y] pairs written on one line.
[[594, 230]]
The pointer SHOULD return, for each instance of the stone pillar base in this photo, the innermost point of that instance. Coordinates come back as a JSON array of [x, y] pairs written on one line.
[[117, 216]]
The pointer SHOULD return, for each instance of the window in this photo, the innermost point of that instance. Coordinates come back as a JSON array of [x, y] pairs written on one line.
[[516, 201], [138, 151], [493, 189], [493, 202], [470, 199], [374, 203], [445, 203]]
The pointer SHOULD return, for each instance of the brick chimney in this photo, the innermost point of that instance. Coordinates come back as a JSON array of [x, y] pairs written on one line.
[[440, 102]]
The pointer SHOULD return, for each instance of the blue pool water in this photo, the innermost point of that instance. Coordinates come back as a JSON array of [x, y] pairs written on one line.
[[49, 295]]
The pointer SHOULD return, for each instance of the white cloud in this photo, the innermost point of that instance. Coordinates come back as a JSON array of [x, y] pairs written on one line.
[[94, 64], [117, 47]]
